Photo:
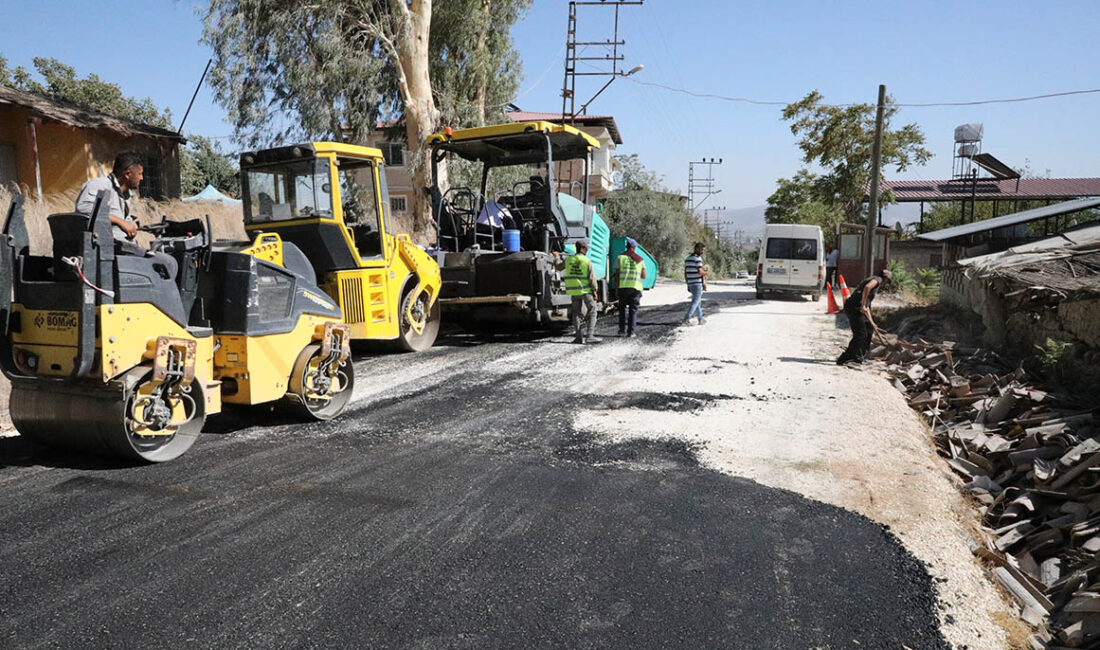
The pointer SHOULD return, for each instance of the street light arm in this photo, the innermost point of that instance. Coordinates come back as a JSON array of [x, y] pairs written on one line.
[[584, 106]]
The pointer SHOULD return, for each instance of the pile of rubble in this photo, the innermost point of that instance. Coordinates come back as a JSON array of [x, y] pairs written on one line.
[[1032, 464]]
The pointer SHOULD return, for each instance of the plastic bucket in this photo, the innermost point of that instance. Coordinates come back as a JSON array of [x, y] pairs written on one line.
[[511, 241]]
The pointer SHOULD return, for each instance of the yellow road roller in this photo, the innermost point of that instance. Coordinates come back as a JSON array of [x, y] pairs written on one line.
[[107, 352], [330, 200]]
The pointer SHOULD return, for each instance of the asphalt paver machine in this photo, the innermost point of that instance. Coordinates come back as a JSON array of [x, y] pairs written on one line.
[[330, 199], [497, 254], [108, 353]]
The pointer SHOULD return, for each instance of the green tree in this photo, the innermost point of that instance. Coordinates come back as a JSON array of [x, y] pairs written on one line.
[[655, 219], [474, 65], [333, 68], [644, 209], [204, 163], [59, 81], [839, 139]]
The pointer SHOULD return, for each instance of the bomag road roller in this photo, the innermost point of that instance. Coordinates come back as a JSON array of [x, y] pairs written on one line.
[[497, 254], [330, 199], [107, 352]]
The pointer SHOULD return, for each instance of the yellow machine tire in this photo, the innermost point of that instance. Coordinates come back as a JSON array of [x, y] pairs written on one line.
[[75, 418], [298, 392], [409, 340]]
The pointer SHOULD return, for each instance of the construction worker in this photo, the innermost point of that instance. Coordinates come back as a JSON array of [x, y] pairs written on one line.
[[125, 177], [858, 309], [580, 284], [629, 272]]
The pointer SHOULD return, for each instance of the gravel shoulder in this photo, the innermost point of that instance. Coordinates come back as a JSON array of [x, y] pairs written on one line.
[[795, 420]]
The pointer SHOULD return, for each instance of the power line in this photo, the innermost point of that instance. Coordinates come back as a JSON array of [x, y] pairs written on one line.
[[759, 102]]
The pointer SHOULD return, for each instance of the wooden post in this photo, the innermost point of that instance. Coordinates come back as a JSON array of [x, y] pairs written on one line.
[[872, 209]]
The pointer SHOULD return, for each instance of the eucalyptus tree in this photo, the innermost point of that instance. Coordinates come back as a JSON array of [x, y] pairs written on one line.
[[334, 68]]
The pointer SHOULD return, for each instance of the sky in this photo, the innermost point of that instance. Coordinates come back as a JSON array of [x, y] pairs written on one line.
[[778, 50]]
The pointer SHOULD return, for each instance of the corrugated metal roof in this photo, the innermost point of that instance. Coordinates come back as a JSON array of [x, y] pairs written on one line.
[[72, 114], [988, 189], [1011, 219], [605, 121]]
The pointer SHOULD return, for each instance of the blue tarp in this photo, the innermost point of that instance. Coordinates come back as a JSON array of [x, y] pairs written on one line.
[[209, 193]]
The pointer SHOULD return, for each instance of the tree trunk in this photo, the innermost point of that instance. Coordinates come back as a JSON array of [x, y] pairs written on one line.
[[481, 93], [421, 113]]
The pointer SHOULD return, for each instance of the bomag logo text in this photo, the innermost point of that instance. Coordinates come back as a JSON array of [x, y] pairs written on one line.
[[57, 320]]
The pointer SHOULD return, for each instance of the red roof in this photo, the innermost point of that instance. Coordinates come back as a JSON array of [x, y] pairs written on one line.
[[605, 121], [988, 189]]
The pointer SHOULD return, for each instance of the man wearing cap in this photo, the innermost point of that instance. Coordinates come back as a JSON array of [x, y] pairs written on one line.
[[580, 284], [629, 272], [858, 309]]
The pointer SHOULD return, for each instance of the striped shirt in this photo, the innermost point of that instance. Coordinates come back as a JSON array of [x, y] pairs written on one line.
[[693, 270]]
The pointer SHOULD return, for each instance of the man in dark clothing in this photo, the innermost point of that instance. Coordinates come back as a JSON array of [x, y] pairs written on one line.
[[858, 309]]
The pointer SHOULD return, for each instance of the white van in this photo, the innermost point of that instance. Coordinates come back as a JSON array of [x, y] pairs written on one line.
[[792, 260]]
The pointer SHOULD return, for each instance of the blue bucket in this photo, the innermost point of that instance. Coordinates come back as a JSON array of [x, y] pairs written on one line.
[[511, 241]]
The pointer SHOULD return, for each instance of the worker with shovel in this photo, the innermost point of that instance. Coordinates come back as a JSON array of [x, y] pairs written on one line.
[[858, 309]]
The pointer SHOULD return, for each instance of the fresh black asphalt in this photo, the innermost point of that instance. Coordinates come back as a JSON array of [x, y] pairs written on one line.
[[465, 512]]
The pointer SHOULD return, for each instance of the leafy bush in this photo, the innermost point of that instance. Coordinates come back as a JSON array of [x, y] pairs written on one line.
[[928, 284], [903, 281], [1058, 360]]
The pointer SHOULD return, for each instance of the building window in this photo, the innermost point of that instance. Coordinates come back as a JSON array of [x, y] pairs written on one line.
[[398, 204], [394, 152], [151, 186]]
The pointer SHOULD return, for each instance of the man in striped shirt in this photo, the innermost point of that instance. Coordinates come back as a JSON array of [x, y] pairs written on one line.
[[695, 274]]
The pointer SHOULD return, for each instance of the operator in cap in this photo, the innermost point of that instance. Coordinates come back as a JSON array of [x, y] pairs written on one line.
[[629, 273], [858, 309], [125, 177], [580, 284]]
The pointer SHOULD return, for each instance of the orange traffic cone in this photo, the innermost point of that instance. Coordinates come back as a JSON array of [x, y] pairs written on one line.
[[844, 293], [833, 307]]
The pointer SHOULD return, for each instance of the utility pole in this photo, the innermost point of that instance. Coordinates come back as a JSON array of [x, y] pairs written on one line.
[[716, 228], [612, 54], [703, 185], [872, 211]]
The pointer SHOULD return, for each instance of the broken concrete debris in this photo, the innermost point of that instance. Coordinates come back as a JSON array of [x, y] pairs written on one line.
[[1031, 462]]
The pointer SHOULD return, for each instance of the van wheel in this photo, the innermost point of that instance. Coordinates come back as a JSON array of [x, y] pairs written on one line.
[[759, 295]]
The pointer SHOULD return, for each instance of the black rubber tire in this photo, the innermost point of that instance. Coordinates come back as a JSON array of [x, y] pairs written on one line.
[[409, 340]]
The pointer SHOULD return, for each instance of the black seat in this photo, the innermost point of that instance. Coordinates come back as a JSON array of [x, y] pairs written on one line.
[[67, 230]]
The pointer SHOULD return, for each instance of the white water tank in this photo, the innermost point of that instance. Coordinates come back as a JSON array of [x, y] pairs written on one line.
[[969, 132]]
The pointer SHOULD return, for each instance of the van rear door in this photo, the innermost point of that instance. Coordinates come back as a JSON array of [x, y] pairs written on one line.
[[776, 270], [804, 263]]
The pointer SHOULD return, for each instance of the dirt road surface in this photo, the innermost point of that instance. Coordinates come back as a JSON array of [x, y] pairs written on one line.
[[718, 486]]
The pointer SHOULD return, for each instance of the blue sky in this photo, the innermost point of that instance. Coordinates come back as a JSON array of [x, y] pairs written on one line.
[[777, 50]]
